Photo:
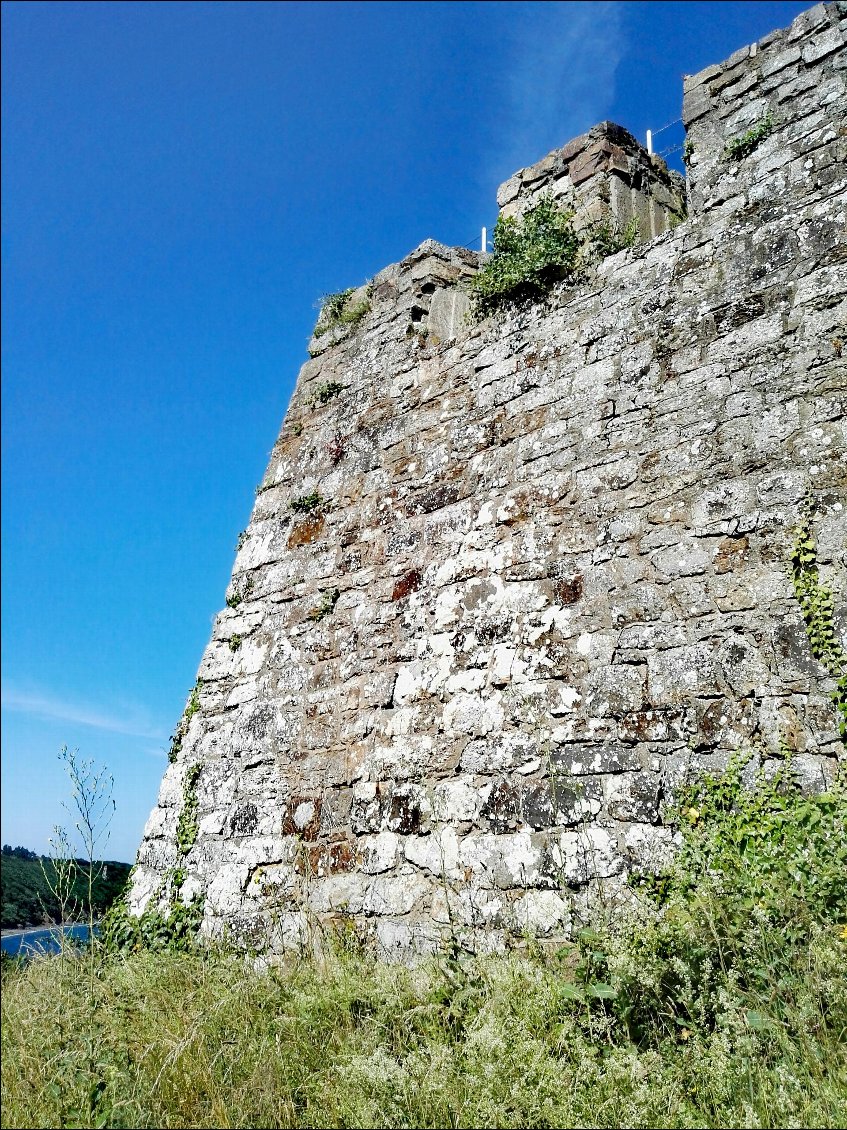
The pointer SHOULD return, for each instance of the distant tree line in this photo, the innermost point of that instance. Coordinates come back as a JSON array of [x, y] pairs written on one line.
[[26, 897], [19, 852]]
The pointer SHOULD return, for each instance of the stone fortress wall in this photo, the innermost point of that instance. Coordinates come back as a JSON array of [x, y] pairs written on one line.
[[546, 579]]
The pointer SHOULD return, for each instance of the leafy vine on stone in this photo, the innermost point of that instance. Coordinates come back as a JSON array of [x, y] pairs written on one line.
[[818, 609]]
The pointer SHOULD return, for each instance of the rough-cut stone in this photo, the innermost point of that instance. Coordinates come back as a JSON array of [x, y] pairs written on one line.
[[603, 176], [547, 583]]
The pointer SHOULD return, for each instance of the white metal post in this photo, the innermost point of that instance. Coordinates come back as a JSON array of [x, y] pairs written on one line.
[[484, 240], [649, 141]]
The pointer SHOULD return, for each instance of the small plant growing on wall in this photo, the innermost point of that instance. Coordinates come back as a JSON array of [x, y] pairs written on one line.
[[329, 599], [313, 503], [817, 606], [604, 238], [191, 708], [740, 147], [337, 310], [325, 392], [239, 594]]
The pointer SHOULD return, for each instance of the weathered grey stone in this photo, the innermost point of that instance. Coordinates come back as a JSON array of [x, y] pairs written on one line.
[[550, 582], [448, 314]]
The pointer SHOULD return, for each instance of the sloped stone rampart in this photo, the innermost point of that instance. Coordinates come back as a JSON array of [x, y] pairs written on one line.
[[503, 590]]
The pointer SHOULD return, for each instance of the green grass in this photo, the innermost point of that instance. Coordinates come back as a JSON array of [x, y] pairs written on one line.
[[336, 311], [740, 147], [177, 1040], [716, 998]]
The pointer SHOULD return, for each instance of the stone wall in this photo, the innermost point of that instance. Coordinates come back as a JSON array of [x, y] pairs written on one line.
[[603, 176], [506, 585]]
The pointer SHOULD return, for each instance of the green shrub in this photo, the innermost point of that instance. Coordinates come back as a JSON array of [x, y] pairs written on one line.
[[174, 928], [531, 253], [534, 251], [762, 869]]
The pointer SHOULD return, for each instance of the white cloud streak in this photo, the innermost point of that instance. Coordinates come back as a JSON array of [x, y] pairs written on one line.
[[41, 705], [560, 77]]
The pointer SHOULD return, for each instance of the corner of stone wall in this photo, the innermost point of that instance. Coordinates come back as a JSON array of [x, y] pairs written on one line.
[[422, 295], [603, 175], [790, 89]]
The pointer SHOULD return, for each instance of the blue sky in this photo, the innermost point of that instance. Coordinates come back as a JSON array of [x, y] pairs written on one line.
[[181, 182]]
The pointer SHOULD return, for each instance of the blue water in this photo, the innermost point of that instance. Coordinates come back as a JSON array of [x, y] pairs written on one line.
[[41, 940]]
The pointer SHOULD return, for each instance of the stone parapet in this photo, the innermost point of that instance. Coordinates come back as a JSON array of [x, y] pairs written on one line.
[[603, 176], [421, 295]]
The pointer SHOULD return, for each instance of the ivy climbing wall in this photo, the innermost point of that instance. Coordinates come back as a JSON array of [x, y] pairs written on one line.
[[507, 584]]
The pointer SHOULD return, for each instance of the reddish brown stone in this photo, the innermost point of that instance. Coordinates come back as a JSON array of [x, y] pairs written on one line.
[[731, 554], [328, 859], [410, 583], [305, 532], [568, 591]]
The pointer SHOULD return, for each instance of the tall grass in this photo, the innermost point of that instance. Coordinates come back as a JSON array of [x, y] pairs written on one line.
[[718, 998], [204, 1040]]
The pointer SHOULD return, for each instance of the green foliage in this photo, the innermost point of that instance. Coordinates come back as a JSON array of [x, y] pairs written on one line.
[[329, 599], [201, 1038], [760, 871], [687, 151], [740, 147], [313, 503], [532, 252], [26, 894], [240, 594], [191, 708], [818, 609], [187, 825], [235, 642], [91, 809], [241, 542], [763, 847], [719, 999], [174, 928], [336, 310], [600, 240], [325, 392], [193, 702]]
